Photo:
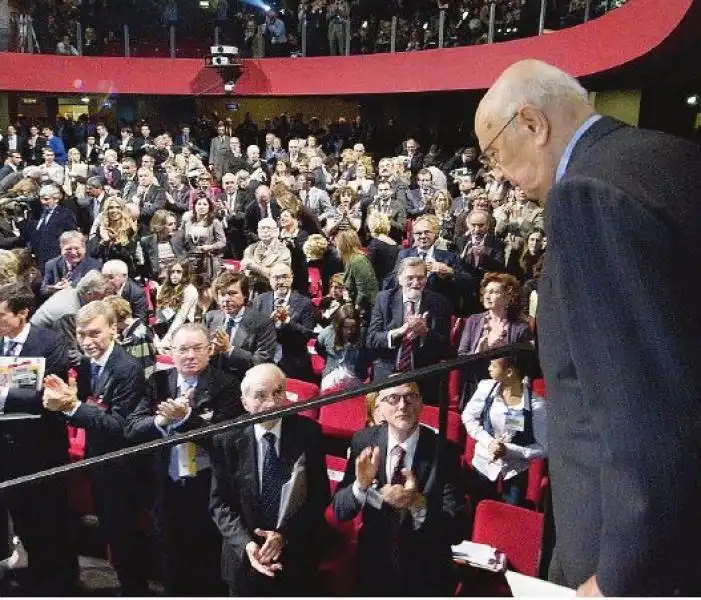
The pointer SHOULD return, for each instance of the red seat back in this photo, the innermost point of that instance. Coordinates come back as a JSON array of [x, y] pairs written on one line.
[[455, 432], [300, 391], [515, 531], [233, 264], [538, 386], [343, 419]]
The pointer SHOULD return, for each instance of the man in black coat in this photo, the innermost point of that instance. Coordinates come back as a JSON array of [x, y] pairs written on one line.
[[242, 337], [619, 330], [293, 318], [263, 206], [410, 519], [190, 396], [110, 385], [40, 513], [410, 325], [267, 551], [70, 267], [117, 276]]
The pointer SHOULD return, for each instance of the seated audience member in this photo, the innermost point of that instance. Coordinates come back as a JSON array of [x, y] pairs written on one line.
[[203, 235], [294, 237], [337, 297], [116, 235], [116, 274], [441, 206], [387, 203], [445, 275], [163, 246], [417, 199], [42, 235], [205, 189], [148, 197], [500, 324], [507, 421], [68, 268], [345, 212], [40, 512], [391, 474], [382, 249], [109, 173], [133, 334], [293, 319], [262, 255], [188, 163], [521, 213], [410, 325], [265, 553], [322, 256], [176, 303], [110, 384], [341, 345], [480, 202], [359, 276], [191, 396], [263, 207], [241, 336], [282, 174], [530, 256], [462, 203]]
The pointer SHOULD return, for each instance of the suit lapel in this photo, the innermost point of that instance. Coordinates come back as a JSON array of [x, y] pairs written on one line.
[[290, 447], [247, 450], [241, 332], [397, 309], [106, 373], [422, 463], [381, 440], [172, 383], [204, 390]]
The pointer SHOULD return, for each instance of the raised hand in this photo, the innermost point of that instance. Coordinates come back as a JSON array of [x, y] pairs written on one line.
[[366, 466]]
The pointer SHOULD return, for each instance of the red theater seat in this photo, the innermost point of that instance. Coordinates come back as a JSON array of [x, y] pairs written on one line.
[[318, 362], [343, 419], [454, 432], [538, 386], [515, 531], [299, 391]]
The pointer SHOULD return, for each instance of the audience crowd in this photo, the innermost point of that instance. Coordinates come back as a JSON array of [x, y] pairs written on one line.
[[177, 279], [277, 28]]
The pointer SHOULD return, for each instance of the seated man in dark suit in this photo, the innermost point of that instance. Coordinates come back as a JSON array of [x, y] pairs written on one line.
[[417, 198], [110, 385], [40, 513], [409, 522], [266, 551], [190, 396], [294, 322], [410, 325], [242, 337], [68, 268], [42, 235], [445, 274], [117, 275]]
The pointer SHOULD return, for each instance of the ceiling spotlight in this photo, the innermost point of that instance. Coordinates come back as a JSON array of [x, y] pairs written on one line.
[[204, 4], [693, 100]]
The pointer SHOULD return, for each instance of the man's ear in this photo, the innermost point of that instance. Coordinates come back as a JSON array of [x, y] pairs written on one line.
[[536, 124]]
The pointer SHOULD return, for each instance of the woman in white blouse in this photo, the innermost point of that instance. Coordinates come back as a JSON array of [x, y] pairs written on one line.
[[507, 421]]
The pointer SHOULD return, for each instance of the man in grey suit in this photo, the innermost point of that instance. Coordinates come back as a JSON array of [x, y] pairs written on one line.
[[619, 330], [241, 337], [218, 149]]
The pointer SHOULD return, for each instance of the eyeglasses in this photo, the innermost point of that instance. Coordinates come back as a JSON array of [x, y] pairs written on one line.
[[183, 350], [277, 394], [487, 159], [423, 232], [395, 399]]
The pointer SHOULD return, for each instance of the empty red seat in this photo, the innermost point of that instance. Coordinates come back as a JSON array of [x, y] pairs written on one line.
[[455, 431], [343, 419], [515, 531], [318, 362], [300, 391]]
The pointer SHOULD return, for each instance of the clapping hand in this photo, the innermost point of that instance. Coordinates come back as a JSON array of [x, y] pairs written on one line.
[[366, 466], [62, 284], [220, 342], [417, 326], [497, 448], [171, 411], [59, 396], [280, 314], [403, 496]]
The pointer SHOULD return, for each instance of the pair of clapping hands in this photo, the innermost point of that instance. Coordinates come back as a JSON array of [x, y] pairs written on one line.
[[171, 411], [60, 396], [399, 496], [415, 326]]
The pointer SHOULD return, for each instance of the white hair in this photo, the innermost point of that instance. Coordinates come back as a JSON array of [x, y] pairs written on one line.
[[115, 267], [92, 283], [259, 371], [267, 222], [68, 236], [50, 190], [535, 83]]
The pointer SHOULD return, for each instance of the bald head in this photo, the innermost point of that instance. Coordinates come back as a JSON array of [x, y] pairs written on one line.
[[525, 121]]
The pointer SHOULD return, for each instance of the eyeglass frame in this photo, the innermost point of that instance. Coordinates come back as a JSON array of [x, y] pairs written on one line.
[[484, 158], [409, 398]]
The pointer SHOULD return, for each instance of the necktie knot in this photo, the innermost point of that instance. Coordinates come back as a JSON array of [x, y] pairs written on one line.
[[270, 439], [11, 347], [397, 455]]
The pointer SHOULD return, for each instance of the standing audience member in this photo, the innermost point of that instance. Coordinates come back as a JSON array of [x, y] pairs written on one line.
[[261, 256], [382, 249], [265, 553], [116, 274], [116, 235], [359, 277], [294, 237], [176, 303], [204, 237], [323, 257]]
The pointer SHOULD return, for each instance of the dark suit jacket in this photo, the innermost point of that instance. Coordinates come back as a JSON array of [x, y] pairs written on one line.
[[31, 445], [254, 341], [454, 288], [253, 215], [236, 504], [388, 313], [117, 181], [425, 555], [55, 270], [293, 336], [492, 259], [44, 242], [154, 200], [619, 346], [120, 388], [149, 246]]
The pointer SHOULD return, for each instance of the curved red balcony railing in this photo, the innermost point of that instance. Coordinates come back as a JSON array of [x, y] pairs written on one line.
[[619, 38]]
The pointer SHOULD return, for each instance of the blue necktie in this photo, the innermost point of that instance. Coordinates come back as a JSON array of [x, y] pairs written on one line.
[[11, 346], [95, 371], [272, 483], [45, 214], [230, 324]]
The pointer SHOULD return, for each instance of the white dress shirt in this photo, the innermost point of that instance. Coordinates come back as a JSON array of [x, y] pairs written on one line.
[[102, 361], [259, 431], [19, 340]]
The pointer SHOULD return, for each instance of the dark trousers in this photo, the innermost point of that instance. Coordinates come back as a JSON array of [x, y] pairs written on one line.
[[191, 542], [511, 491], [117, 505]]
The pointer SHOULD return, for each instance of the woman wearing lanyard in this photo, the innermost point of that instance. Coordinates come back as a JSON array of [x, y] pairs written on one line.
[[508, 424]]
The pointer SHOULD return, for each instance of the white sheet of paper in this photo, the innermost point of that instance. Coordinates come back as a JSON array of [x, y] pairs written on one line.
[[524, 586], [294, 492]]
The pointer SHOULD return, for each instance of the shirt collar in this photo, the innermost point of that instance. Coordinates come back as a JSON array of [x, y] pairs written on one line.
[[286, 297], [259, 431], [236, 317], [409, 444], [567, 154], [102, 361], [429, 252], [21, 337], [191, 381]]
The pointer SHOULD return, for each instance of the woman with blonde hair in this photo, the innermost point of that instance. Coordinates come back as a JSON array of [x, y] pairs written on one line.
[[9, 267], [322, 256], [359, 276], [441, 205], [75, 174], [116, 235], [382, 249], [176, 303]]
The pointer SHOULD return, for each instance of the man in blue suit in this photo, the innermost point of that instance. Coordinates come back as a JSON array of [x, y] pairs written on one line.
[[70, 267], [446, 274], [619, 330], [56, 144], [43, 235]]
